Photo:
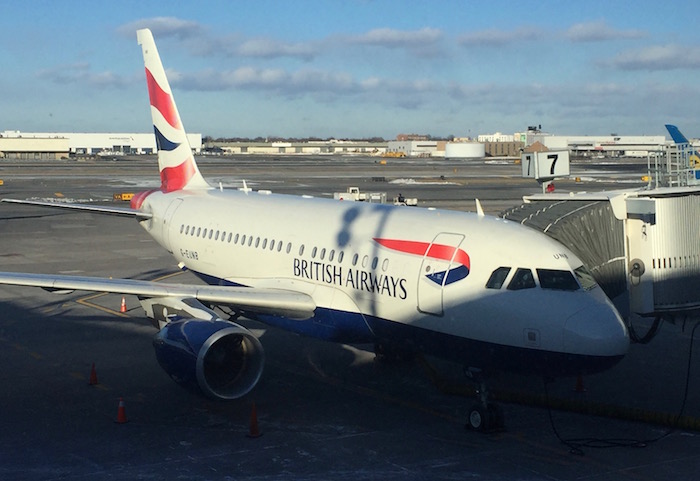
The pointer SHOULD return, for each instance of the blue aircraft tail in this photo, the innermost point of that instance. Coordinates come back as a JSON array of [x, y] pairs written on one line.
[[676, 134], [679, 138]]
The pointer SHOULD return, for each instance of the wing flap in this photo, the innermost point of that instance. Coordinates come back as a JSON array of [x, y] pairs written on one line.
[[280, 302]]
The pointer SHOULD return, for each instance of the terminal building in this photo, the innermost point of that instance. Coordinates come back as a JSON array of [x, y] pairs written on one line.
[[49, 146]]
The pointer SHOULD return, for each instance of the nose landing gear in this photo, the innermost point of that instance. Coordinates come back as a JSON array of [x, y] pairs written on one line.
[[484, 416]]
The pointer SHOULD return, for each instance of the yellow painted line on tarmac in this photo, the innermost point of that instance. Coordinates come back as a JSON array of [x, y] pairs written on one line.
[[85, 301]]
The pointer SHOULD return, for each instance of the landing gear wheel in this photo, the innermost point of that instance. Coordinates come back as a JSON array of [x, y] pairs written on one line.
[[479, 419]]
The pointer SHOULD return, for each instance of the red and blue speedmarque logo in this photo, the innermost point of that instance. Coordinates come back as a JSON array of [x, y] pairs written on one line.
[[453, 255]]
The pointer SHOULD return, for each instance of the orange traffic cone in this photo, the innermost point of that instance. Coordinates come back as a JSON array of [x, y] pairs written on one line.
[[254, 430], [93, 376], [123, 306], [121, 412]]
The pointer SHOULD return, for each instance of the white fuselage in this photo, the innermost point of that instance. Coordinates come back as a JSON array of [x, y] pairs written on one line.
[[414, 276]]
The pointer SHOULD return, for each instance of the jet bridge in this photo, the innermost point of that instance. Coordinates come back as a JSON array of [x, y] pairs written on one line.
[[642, 246]]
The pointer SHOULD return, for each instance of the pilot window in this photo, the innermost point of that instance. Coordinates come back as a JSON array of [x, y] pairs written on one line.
[[522, 279], [556, 279], [585, 278], [498, 277]]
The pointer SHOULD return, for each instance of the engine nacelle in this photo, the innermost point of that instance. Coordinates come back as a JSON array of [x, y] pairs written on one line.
[[219, 358]]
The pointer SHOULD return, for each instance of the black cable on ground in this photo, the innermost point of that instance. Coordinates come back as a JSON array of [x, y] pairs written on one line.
[[651, 333], [576, 445]]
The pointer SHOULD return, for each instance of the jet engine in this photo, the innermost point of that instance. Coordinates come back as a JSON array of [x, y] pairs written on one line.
[[218, 358]]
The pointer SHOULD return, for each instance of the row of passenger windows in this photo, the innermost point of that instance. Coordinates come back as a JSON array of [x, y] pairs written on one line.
[[263, 243], [549, 279]]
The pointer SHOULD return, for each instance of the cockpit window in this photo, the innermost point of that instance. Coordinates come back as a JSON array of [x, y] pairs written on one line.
[[585, 278], [522, 279], [556, 279], [498, 277]]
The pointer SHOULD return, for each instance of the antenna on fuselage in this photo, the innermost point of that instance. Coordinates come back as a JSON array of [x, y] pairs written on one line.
[[479, 210]]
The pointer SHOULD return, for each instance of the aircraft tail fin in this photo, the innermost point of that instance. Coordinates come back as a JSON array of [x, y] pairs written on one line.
[[676, 134], [679, 138], [178, 169]]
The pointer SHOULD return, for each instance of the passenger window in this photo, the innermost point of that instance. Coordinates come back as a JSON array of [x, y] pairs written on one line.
[[264, 244], [556, 279], [498, 277], [313, 253], [341, 254], [301, 250], [323, 253], [331, 255], [199, 231], [585, 278], [523, 279], [182, 228], [289, 247]]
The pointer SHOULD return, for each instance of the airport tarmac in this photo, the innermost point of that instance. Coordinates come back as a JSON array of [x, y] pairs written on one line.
[[325, 411]]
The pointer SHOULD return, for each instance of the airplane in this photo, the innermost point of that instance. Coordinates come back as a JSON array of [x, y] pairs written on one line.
[[679, 138], [474, 289]]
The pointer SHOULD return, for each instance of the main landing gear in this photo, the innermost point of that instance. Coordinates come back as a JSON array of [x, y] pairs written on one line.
[[484, 416]]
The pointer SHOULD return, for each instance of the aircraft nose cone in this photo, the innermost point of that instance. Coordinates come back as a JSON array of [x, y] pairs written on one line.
[[596, 331]]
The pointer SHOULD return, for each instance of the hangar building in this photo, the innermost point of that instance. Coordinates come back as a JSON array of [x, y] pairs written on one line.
[[33, 145]]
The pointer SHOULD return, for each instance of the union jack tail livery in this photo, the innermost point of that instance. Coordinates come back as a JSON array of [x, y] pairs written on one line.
[[178, 169]]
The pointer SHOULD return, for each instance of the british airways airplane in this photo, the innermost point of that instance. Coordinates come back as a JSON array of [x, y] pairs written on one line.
[[470, 288]]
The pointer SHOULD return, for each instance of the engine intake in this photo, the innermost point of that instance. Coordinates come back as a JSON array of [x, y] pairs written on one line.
[[218, 358]]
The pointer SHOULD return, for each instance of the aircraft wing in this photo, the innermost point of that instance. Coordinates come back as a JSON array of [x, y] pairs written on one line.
[[100, 209], [280, 302]]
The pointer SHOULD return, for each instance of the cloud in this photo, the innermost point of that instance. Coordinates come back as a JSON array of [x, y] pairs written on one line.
[[498, 38], [270, 48], [392, 38], [322, 84], [658, 57], [600, 31], [80, 73], [163, 27]]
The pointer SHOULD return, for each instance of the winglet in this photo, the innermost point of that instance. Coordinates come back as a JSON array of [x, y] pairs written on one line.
[[178, 169], [479, 210]]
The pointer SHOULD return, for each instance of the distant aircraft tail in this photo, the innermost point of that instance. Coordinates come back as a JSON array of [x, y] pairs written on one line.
[[676, 134], [178, 169], [679, 138]]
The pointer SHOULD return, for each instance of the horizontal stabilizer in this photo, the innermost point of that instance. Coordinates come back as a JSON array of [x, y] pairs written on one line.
[[99, 209]]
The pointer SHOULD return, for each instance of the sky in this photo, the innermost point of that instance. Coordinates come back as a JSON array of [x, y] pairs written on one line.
[[355, 68]]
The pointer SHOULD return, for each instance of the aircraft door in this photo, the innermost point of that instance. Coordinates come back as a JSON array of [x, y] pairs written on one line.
[[167, 223], [439, 259]]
